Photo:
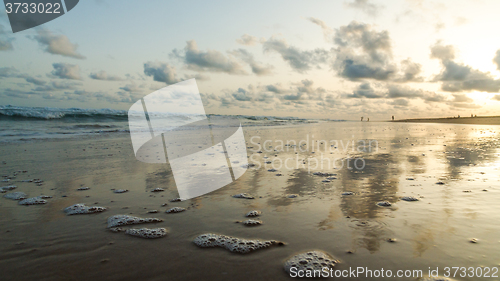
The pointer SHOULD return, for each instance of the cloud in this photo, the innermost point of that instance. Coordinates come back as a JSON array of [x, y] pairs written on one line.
[[458, 77], [66, 71], [363, 53], [35, 80], [411, 71], [161, 72], [257, 68], [327, 31], [365, 90], [56, 44], [5, 40], [461, 98], [365, 6], [8, 72], [102, 75], [496, 97], [442, 52], [496, 59], [247, 40], [57, 86], [397, 91], [210, 60], [300, 61]]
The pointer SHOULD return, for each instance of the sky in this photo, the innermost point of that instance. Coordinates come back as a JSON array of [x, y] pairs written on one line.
[[310, 59]]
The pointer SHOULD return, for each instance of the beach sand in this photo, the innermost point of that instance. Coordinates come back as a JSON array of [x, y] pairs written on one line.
[[42, 243], [480, 120]]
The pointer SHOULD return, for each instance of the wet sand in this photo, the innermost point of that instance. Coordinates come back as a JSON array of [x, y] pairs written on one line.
[[480, 120], [42, 243]]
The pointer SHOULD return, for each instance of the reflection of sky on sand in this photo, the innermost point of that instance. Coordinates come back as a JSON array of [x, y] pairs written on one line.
[[431, 232]]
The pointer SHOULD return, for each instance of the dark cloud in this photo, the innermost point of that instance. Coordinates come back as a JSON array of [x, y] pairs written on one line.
[[400, 102], [247, 40], [210, 60], [56, 44], [496, 59], [300, 61], [161, 72], [257, 68], [36, 81], [66, 71], [103, 75], [365, 6], [365, 90], [363, 53], [398, 91], [458, 77]]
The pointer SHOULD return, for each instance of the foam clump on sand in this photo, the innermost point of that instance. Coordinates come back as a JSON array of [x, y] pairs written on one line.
[[147, 232], [244, 196], [119, 220], [4, 189], [309, 261], [16, 195], [235, 245], [384, 204], [83, 188], [252, 222], [409, 198], [82, 209], [175, 210], [176, 200], [254, 213], [120, 190], [38, 200], [158, 189]]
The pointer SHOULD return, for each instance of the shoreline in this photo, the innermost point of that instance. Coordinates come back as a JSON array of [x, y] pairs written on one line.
[[480, 120]]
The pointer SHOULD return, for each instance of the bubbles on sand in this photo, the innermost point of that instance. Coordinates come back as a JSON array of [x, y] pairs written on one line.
[[244, 196], [310, 261], [16, 195], [38, 200], [251, 222], [4, 189], [236, 245], [120, 190], [149, 233], [120, 220], [82, 209], [409, 198], [254, 213], [175, 210], [384, 204]]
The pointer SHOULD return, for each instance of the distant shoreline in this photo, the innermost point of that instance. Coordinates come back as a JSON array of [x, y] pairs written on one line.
[[480, 120]]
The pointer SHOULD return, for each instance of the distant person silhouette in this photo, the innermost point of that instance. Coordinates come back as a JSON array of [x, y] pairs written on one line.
[[368, 120], [392, 117], [361, 119]]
